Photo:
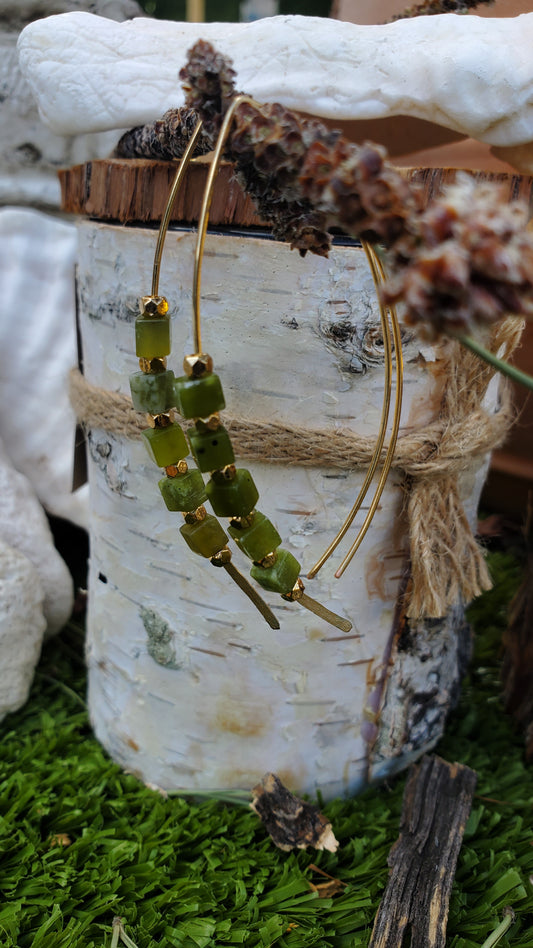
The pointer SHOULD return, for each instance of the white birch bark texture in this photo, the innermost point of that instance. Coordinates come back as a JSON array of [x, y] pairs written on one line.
[[188, 687]]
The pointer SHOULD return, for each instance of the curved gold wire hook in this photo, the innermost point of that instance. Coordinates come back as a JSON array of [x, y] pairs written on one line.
[[204, 214], [395, 425], [384, 421], [165, 220], [378, 275]]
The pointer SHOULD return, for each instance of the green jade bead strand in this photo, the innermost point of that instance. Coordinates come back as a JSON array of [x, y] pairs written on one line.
[[232, 491], [153, 392]]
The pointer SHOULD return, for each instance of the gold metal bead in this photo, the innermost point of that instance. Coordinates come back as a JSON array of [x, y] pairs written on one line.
[[212, 423], [268, 560], [296, 592], [163, 420], [221, 558], [198, 364], [226, 473], [193, 516], [153, 366], [154, 305], [242, 523], [174, 470]]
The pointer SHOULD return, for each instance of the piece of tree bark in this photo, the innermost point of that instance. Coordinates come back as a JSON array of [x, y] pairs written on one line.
[[137, 189], [436, 805]]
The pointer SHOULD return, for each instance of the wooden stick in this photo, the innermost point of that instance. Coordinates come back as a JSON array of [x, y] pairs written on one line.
[[436, 805]]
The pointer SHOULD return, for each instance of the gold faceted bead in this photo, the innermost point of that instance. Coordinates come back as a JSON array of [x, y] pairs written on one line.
[[242, 523], [296, 592], [226, 473], [269, 559], [154, 305], [222, 557], [163, 420], [174, 470], [152, 366], [193, 516], [212, 423], [197, 365]]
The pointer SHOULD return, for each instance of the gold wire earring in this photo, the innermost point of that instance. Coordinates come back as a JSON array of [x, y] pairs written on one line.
[[198, 396], [153, 392]]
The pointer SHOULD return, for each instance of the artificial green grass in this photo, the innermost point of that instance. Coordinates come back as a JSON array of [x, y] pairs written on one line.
[[193, 875]]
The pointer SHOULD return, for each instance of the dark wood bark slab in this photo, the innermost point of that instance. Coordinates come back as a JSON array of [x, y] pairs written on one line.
[[136, 190], [132, 190], [436, 804]]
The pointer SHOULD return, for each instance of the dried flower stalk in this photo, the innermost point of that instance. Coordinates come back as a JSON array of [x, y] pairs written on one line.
[[464, 260]]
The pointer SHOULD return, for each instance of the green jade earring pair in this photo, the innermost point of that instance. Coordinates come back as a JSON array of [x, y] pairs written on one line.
[[198, 397]]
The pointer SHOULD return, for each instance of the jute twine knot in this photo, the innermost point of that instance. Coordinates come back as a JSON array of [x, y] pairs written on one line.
[[447, 564]]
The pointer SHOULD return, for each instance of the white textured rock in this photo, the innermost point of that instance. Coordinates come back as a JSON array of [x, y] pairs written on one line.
[[38, 337], [470, 74], [22, 626], [23, 525], [30, 153]]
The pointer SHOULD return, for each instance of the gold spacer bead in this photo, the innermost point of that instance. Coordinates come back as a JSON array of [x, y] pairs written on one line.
[[268, 560], [212, 423], [163, 420], [296, 592], [226, 473], [193, 516], [154, 306], [241, 523], [222, 557], [153, 366], [174, 470], [197, 365]]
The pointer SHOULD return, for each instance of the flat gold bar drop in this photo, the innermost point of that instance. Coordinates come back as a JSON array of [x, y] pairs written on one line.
[[323, 613], [298, 594], [223, 560]]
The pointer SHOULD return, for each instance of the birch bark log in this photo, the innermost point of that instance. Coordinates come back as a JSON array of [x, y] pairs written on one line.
[[188, 687]]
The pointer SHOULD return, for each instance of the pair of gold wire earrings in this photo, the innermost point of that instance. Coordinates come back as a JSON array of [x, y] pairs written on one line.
[[198, 397]]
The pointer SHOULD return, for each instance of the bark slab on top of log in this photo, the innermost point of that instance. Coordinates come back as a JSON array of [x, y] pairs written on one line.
[[136, 190]]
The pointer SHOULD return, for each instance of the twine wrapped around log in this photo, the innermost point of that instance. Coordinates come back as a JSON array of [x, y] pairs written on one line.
[[447, 564]]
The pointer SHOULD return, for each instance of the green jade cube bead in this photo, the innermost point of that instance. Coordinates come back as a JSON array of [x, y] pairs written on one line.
[[184, 492], [281, 576], [152, 393], [235, 498], [258, 539], [165, 446], [199, 398], [205, 537], [211, 449], [152, 336]]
